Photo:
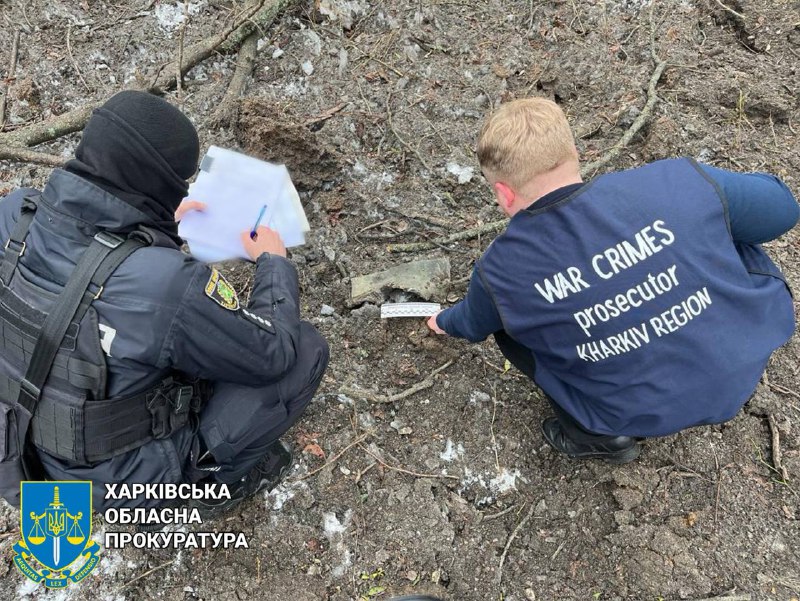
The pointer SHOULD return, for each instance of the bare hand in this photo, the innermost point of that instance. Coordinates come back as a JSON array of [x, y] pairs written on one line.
[[265, 241], [187, 206], [435, 326]]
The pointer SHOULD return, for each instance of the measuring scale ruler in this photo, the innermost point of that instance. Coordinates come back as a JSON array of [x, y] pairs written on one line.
[[409, 309]]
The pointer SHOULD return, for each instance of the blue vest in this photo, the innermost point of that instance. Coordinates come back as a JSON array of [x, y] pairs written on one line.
[[641, 313]]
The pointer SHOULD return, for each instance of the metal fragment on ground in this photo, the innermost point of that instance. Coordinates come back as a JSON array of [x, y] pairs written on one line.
[[425, 279]]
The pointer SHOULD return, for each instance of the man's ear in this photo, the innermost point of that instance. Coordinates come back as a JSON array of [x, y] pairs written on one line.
[[505, 195]]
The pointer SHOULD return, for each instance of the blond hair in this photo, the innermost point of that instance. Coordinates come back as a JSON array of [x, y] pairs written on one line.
[[525, 138]]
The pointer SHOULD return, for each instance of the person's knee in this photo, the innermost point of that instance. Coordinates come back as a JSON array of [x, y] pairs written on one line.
[[315, 346]]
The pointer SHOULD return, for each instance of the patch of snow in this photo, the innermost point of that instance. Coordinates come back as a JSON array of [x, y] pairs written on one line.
[[477, 396], [505, 481], [452, 451], [500, 484], [334, 532], [342, 10], [109, 564], [283, 493], [27, 588], [345, 400], [332, 526], [170, 16], [464, 174], [313, 41]]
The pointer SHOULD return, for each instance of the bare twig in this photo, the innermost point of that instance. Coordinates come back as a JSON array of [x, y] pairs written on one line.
[[744, 597], [399, 138], [783, 389], [730, 10], [325, 115], [491, 427], [148, 572], [499, 514], [72, 58], [391, 398], [12, 70], [405, 471], [486, 228], [179, 64], [719, 489], [226, 112], [776, 448], [499, 576], [626, 138], [335, 458], [351, 46]]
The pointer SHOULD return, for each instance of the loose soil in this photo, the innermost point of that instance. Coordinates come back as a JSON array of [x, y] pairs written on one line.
[[405, 85]]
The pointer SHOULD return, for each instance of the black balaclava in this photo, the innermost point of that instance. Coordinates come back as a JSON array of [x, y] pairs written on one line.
[[141, 149]]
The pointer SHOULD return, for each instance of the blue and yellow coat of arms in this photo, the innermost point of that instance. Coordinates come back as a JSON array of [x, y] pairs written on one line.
[[56, 522]]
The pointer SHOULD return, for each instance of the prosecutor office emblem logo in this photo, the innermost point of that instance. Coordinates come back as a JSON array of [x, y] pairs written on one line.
[[56, 523]]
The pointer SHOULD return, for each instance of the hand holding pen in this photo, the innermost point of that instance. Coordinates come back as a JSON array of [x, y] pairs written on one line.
[[261, 239]]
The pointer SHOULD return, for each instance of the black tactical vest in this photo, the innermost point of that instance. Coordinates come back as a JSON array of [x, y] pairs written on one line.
[[53, 369]]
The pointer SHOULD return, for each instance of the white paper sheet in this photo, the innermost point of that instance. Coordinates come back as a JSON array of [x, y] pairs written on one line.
[[236, 187]]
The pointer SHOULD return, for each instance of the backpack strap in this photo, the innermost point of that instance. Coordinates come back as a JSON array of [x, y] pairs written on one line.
[[15, 245]]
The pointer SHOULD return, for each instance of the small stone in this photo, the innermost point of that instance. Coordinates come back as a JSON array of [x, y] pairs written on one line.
[[405, 431], [307, 67], [530, 594], [327, 310], [412, 576], [541, 508], [277, 53], [344, 470]]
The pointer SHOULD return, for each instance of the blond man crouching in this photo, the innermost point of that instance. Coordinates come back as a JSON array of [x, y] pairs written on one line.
[[640, 302]]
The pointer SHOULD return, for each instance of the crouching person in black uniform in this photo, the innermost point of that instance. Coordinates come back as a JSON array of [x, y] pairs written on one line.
[[158, 374], [639, 302]]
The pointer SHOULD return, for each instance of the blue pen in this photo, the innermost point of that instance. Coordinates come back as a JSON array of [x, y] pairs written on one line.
[[258, 222]]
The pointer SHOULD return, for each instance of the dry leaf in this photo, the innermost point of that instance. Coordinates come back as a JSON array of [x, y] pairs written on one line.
[[314, 449]]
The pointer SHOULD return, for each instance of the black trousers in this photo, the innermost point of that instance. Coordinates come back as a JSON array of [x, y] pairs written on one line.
[[520, 357], [239, 424]]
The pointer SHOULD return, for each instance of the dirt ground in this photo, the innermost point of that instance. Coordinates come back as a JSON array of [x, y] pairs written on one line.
[[428, 500]]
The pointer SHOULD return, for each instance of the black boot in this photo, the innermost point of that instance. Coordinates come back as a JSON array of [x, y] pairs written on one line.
[[613, 449], [265, 475]]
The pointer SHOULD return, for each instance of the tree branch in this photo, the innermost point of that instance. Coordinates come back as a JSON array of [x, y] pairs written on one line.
[[260, 14], [30, 156], [227, 109]]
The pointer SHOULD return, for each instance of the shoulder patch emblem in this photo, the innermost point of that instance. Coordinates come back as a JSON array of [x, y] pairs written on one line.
[[221, 292]]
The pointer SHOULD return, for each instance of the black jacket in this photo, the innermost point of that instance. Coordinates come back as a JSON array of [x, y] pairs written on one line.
[[160, 311]]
